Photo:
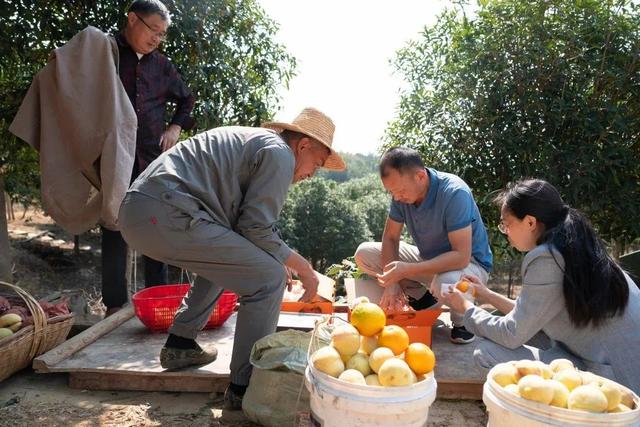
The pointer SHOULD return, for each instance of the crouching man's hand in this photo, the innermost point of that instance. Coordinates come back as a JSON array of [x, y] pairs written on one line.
[[393, 299]]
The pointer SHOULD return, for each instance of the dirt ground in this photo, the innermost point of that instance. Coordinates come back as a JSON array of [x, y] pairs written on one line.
[[45, 263], [29, 399]]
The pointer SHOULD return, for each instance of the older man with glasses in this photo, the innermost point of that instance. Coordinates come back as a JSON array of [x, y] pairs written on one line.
[[150, 80]]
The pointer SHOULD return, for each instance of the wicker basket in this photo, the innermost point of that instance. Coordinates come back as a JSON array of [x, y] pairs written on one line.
[[18, 350]]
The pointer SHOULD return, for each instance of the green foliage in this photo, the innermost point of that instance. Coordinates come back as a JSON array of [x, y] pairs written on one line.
[[543, 88], [369, 197], [224, 49], [347, 269], [358, 166], [319, 224]]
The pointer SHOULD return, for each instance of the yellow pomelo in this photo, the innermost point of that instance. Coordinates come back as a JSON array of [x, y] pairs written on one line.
[[620, 408], [560, 394], [569, 377], [627, 398], [372, 380], [368, 344], [368, 318], [589, 378], [587, 398], [352, 376], [512, 388], [327, 360], [378, 357], [528, 367], [613, 394], [346, 339], [545, 370], [536, 388], [395, 373], [558, 365], [359, 362], [505, 374]]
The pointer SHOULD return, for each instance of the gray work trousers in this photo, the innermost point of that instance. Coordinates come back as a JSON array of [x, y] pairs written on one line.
[[221, 258], [369, 258]]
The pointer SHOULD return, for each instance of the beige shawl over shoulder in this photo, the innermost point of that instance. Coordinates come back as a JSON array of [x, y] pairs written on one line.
[[78, 116]]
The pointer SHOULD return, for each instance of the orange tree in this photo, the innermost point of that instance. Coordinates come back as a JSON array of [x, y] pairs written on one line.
[[321, 224], [225, 51], [541, 88]]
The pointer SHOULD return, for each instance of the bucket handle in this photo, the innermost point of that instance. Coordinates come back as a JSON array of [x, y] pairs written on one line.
[[314, 336]]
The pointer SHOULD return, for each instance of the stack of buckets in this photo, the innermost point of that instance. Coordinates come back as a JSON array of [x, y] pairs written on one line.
[[508, 410], [336, 403]]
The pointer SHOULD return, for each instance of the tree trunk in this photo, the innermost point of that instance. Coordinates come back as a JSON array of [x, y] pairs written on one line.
[[5, 250]]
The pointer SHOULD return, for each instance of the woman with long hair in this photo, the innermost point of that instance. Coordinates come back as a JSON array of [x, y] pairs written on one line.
[[572, 291]]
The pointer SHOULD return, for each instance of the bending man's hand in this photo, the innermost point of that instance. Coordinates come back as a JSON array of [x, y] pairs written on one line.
[[306, 275], [289, 280], [310, 284]]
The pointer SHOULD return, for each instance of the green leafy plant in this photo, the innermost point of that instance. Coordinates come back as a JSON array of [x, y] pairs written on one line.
[[347, 269]]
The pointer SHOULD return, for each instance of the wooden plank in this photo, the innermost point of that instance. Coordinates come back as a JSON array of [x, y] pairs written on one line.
[[465, 391], [65, 350], [146, 382], [132, 348], [126, 358]]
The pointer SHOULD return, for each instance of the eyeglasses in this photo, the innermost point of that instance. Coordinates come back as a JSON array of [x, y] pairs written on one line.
[[162, 36], [503, 228]]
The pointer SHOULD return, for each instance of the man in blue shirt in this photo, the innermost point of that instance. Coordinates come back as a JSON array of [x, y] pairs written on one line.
[[445, 224]]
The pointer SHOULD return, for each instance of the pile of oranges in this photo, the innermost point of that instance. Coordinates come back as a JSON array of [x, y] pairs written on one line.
[[368, 352]]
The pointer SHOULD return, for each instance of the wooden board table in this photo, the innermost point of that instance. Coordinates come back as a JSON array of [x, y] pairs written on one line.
[[119, 353]]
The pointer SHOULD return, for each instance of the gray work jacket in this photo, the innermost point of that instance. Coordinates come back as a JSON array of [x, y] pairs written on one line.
[[237, 177]]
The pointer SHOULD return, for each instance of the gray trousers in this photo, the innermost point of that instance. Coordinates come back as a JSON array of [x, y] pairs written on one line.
[[221, 258], [369, 258]]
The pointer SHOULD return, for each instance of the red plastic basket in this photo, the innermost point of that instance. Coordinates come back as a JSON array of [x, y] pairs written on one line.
[[156, 306]]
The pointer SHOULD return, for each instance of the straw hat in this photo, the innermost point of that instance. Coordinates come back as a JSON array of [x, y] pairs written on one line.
[[318, 126]]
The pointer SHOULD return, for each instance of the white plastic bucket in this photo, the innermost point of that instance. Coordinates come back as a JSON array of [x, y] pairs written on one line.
[[507, 410], [335, 403]]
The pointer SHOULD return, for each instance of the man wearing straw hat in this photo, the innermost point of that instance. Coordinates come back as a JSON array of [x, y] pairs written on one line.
[[210, 205]]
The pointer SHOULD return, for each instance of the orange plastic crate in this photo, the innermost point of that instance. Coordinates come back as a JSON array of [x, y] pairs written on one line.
[[418, 324], [309, 307], [156, 306]]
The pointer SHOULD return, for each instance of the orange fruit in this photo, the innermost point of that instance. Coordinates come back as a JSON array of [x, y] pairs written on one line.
[[368, 318], [420, 358], [395, 338], [464, 287]]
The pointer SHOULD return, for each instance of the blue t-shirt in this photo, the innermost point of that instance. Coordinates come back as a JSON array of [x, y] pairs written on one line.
[[448, 206]]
